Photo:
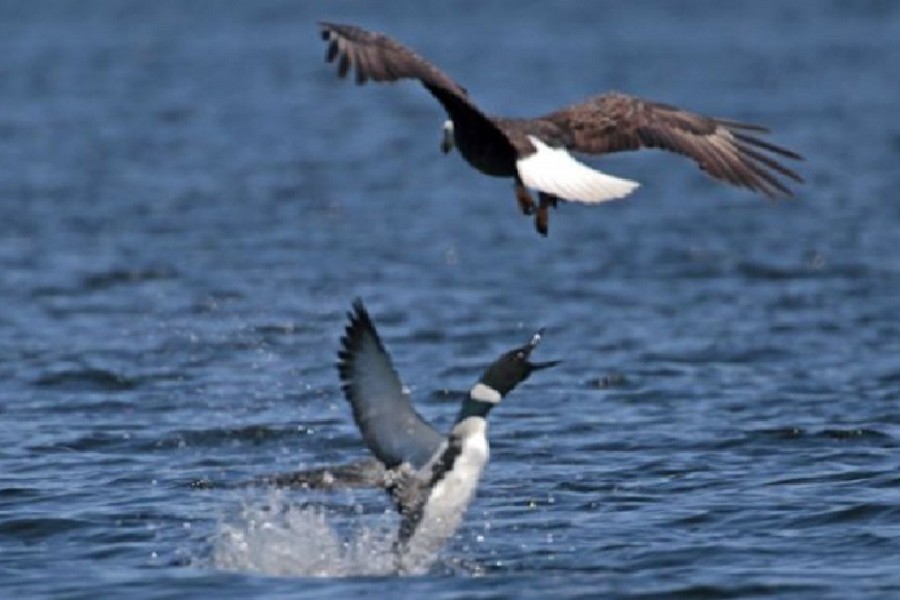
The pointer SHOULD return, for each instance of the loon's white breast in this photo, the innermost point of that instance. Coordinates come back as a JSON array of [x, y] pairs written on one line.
[[450, 496]]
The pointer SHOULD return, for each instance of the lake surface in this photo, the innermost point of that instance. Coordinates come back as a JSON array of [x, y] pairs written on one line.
[[190, 200]]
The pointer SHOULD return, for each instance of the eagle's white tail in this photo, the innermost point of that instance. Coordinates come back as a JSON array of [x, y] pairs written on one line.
[[556, 172]]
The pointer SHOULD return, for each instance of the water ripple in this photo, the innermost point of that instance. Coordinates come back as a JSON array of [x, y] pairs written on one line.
[[87, 380], [190, 200]]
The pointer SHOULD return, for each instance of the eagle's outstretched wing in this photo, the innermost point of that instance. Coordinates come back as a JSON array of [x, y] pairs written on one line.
[[377, 57], [728, 150]]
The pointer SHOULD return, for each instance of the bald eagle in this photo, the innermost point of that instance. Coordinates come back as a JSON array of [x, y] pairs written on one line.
[[535, 152]]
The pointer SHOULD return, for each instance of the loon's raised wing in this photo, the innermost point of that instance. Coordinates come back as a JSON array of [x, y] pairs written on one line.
[[391, 428]]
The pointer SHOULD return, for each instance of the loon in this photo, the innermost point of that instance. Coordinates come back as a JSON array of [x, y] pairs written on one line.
[[535, 152], [431, 477]]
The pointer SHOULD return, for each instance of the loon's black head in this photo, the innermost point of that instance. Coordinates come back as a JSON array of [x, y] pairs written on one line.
[[504, 374], [508, 371]]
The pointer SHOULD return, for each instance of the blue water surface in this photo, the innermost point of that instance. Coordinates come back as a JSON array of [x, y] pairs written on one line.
[[190, 200]]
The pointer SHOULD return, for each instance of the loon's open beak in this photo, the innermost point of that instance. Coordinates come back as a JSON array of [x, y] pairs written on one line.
[[543, 365], [531, 345], [447, 138]]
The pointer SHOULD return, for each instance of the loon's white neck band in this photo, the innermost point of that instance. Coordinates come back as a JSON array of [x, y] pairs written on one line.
[[485, 393]]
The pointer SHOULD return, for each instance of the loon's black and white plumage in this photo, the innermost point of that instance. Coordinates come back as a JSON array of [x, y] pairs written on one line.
[[535, 152], [430, 476]]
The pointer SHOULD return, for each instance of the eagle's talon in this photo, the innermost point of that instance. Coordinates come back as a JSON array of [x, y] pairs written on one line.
[[542, 220], [523, 198]]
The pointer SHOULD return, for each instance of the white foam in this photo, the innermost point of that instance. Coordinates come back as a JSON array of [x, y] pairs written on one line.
[[273, 536]]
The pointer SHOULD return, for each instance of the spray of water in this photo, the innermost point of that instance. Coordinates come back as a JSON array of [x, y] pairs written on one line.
[[272, 536]]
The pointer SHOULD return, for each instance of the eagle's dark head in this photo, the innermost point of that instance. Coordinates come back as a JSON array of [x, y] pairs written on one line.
[[447, 141]]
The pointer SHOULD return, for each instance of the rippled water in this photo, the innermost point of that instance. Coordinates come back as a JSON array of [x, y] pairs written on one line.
[[189, 201]]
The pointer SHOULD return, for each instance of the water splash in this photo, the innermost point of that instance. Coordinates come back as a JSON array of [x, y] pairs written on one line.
[[275, 537]]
